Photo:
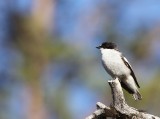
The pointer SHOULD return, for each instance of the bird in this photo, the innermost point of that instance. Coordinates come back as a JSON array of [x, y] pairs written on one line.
[[117, 66]]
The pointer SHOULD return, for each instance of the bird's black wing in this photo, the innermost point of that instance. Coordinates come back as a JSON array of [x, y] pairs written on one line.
[[129, 66]]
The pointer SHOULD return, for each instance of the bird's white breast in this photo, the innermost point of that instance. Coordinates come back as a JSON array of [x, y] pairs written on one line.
[[113, 62]]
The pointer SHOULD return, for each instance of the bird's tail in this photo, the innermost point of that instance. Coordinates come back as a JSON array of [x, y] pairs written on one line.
[[137, 96]]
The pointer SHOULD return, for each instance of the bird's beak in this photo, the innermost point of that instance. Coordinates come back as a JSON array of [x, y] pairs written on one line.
[[98, 47]]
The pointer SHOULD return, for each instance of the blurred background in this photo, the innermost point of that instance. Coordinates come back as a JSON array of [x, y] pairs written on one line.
[[50, 68]]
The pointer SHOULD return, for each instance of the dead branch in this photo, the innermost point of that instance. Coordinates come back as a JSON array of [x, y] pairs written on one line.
[[119, 109]]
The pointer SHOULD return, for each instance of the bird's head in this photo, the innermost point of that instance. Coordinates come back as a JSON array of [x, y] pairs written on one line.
[[107, 45]]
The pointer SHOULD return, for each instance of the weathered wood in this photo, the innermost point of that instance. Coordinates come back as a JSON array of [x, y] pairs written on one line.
[[119, 108], [102, 112]]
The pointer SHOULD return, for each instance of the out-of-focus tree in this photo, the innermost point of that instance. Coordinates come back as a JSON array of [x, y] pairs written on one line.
[[43, 13], [30, 41], [29, 36]]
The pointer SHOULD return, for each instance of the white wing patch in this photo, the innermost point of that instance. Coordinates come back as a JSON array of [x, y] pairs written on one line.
[[132, 73], [127, 61]]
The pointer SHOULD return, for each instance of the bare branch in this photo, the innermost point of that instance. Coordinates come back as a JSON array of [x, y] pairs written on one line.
[[119, 109], [102, 111]]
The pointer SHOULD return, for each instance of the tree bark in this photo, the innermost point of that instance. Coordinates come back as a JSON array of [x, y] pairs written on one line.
[[119, 109]]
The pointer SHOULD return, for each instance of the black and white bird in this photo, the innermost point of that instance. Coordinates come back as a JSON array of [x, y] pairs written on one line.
[[118, 67]]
